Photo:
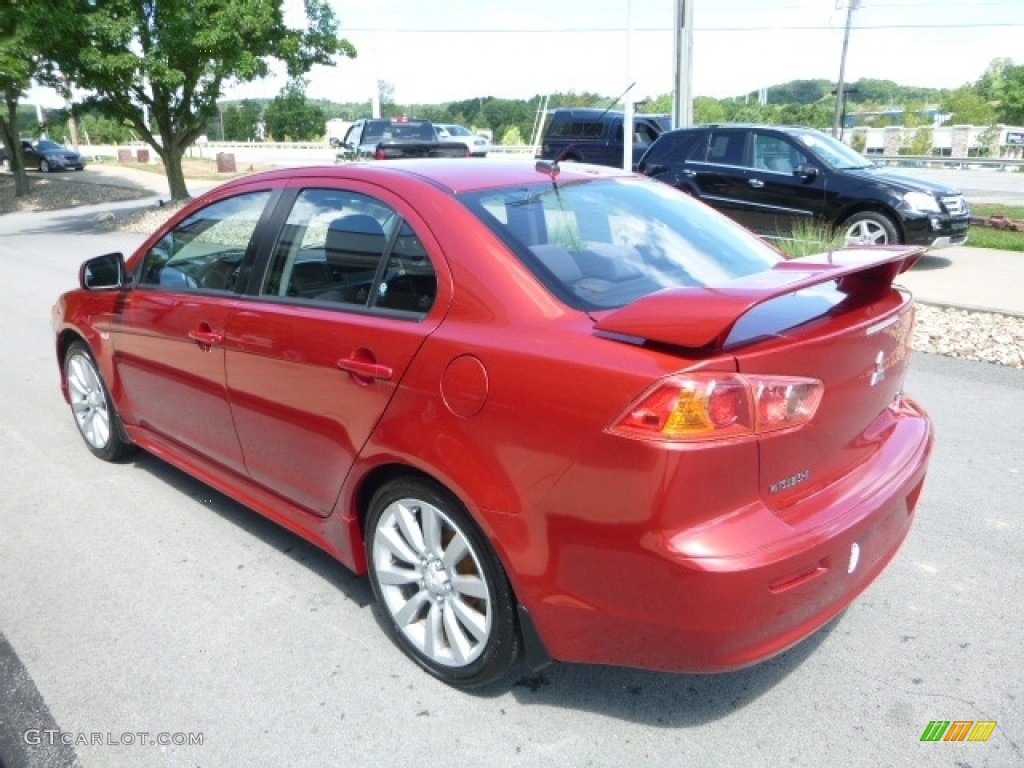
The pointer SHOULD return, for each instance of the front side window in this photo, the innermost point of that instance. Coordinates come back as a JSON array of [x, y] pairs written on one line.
[[206, 250], [345, 249], [774, 153], [603, 244], [833, 152]]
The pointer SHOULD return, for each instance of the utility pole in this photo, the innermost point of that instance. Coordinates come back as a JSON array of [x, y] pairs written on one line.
[[851, 6], [682, 96], [627, 112]]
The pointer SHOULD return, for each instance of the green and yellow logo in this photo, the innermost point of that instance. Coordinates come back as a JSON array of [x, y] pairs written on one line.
[[958, 730]]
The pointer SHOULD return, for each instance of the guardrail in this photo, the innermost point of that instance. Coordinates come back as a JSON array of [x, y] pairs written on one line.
[[248, 149], [954, 163]]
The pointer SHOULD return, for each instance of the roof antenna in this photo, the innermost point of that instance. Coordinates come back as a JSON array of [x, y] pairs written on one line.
[[549, 168]]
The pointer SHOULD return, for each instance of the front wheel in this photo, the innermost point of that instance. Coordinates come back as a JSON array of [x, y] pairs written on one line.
[[869, 228], [94, 413], [444, 595]]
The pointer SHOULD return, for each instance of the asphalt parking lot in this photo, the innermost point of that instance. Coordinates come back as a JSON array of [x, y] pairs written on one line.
[[138, 601]]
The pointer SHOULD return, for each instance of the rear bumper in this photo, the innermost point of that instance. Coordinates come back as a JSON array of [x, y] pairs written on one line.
[[745, 586]]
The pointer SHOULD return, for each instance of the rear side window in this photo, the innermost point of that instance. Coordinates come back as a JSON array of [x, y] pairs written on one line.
[[345, 249], [675, 147], [577, 129], [726, 148]]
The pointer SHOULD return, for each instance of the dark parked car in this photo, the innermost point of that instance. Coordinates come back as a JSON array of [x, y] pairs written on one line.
[[45, 155], [596, 135], [396, 138], [574, 412], [771, 178]]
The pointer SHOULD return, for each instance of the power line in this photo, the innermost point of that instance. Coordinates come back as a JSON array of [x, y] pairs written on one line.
[[618, 30]]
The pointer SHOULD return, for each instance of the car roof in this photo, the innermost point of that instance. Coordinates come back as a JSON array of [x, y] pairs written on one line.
[[451, 174]]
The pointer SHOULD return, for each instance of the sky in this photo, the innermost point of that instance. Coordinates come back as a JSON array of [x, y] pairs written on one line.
[[433, 52]]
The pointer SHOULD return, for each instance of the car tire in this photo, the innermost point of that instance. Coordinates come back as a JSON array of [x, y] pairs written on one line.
[[44, 167], [91, 405], [869, 228], [441, 591]]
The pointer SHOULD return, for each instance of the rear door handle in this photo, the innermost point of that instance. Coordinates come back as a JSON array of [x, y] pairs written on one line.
[[365, 369], [205, 337], [756, 183]]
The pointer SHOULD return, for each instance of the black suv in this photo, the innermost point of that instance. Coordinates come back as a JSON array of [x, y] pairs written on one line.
[[769, 178], [595, 135]]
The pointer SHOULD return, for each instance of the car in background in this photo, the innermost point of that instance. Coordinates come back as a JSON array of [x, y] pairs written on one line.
[[775, 179], [46, 155], [391, 138], [564, 411], [477, 145], [596, 135]]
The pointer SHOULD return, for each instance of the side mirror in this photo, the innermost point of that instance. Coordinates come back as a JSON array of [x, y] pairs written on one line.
[[102, 272], [805, 171]]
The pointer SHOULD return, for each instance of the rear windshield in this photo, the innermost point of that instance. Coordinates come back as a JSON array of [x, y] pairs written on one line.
[[604, 243], [383, 130]]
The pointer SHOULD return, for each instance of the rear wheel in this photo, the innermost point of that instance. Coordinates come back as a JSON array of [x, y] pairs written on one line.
[[443, 594], [94, 413], [44, 166], [870, 228]]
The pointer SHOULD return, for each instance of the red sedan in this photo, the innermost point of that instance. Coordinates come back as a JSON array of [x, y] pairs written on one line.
[[569, 414]]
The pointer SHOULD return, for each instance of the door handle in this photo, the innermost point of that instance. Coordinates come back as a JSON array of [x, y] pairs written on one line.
[[205, 338], [756, 183], [366, 369]]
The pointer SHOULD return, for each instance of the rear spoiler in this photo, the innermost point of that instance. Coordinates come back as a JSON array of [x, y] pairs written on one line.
[[703, 317]]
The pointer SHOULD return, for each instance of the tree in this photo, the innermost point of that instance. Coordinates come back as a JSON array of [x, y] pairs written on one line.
[[161, 65], [512, 137], [241, 122], [708, 110], [18, 64], [967, 107], [293, 117], [1010, 94], [498, 115]]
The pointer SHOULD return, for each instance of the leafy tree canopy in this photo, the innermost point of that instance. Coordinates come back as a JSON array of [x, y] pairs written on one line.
[[161, 65], [291, 117]]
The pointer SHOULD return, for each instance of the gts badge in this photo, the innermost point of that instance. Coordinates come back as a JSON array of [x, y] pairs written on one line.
[[790, 482]]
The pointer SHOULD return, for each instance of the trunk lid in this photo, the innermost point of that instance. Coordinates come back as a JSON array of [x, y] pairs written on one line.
[[833, 317], [861, 355]]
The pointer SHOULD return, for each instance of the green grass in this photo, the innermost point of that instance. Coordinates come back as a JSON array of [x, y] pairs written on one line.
[[809, 238], [1015, 212], [987, 237]]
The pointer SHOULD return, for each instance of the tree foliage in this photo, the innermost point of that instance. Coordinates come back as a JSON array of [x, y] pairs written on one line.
[[18, 65], [161, 65], [1010, 95], [966, 106], [242, 121], [291, 117]]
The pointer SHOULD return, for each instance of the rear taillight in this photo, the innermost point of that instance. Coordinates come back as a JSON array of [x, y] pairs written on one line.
[[706, 406]]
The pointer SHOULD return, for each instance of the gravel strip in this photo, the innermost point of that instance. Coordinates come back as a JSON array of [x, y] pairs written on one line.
[[984, 336], [49, 193]]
